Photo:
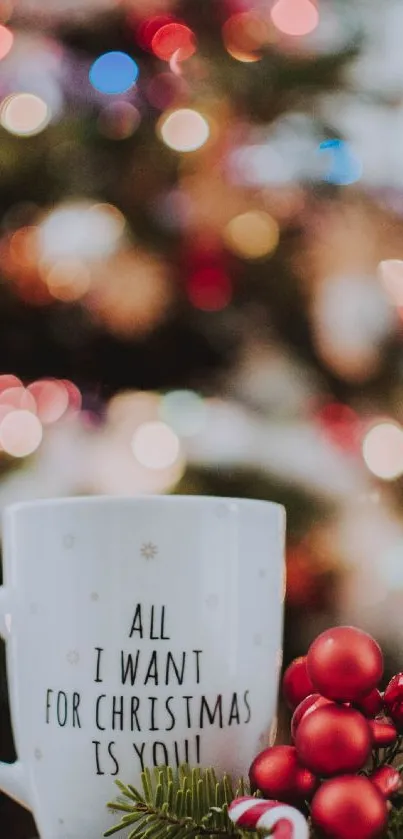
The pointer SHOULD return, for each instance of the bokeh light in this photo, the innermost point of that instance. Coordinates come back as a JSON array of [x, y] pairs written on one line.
[[132, 293], [8, 380], [340, 424], [147, 29], [74, 396], [295, 17], [52, 399], [68, 280], [24, 114], [383, 450], [391, 275], [209, 289], [20, 433], [113, 72], [184, 130], [342, 166], [119, 120], [6, 41], [173, 39], [244, 34], [155, 445], [23, 247], [184, 411], [18, 397], [252, 235], [80, 231]]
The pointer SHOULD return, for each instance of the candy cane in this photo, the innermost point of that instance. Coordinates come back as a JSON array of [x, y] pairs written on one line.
[[256, 814]]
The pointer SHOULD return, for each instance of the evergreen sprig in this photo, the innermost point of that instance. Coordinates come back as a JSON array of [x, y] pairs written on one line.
[[178, 805], [191, 803]]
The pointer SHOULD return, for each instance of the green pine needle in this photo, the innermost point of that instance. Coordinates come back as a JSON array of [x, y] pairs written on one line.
[[191, 803], [182, 805]]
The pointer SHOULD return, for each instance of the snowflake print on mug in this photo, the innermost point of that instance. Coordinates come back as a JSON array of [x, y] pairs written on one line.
[[149, 550]]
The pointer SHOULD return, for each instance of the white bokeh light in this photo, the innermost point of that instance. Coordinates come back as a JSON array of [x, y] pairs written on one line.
[[20, 433], [24, 114], [155, 445], [82, 231], [184, 130], [382, 450]]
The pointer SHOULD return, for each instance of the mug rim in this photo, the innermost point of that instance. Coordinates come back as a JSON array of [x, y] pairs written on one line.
[[138, 500]]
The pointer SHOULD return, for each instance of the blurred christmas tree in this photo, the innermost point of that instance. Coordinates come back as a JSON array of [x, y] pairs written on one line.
[[182, 215], [159, 165], [185, 218]]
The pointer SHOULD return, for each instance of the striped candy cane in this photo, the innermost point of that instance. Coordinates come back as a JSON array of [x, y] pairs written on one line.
[[283, 821]]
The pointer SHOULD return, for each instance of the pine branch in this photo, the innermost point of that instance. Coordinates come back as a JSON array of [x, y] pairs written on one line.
[[191, 803]]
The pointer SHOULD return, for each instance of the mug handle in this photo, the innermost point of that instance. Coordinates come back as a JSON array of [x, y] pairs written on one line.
[[13, 779]]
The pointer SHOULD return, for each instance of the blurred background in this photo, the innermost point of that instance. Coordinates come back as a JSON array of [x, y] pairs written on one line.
[[201, 276]]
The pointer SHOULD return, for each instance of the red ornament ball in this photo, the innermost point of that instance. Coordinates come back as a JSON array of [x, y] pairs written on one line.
[[333, 740], [277, 773], [350, 807], [387, 779], [309, 704], [306, 784], [384, 733], [371, 704], [393, 700], [344, 663], [296, 682]]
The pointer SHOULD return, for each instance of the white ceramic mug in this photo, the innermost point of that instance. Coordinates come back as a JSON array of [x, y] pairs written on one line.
[[139, 632]]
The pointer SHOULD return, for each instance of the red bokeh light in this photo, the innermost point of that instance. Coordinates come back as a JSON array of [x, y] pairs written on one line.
[[209, 289], [6, 41], [147, 29], [7, 381], [52, 400], [341, 425], [74, 396], [174, 39], [18, 397]]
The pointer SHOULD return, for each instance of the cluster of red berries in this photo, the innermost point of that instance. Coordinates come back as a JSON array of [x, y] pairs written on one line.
[[340, 718]]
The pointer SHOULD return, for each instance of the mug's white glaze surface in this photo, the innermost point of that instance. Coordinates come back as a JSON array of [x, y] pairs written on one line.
[[139, 632]]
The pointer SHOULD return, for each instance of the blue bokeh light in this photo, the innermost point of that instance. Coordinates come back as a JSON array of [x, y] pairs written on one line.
[[342, 165], [113, 72]]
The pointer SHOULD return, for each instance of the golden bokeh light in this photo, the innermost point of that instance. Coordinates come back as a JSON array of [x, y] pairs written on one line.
[[67, 280], [245, 33], [252, 235]]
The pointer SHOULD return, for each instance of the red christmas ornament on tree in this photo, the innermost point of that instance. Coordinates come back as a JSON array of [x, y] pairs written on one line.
[[387, 779], [384, 733], [278, 774], [296, 682], [371, 705], [350, 807], [344, 663], [333, 740], [393, 700], [309, 704]]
